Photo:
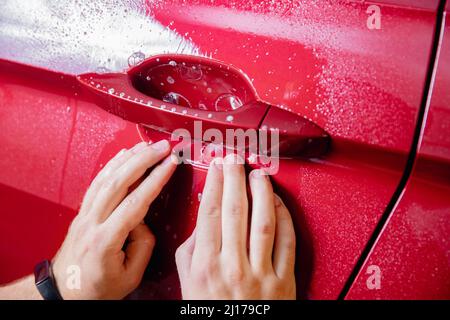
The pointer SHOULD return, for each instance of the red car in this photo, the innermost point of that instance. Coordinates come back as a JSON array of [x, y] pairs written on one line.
[[371, 210]]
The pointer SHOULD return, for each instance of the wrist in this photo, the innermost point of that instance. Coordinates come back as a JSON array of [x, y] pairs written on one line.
[[20, 289]]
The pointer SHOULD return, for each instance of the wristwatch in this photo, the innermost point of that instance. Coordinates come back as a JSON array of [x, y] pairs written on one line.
[[45, 281]]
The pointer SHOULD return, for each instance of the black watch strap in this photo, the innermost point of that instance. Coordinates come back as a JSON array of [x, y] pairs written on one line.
[[45, 281]]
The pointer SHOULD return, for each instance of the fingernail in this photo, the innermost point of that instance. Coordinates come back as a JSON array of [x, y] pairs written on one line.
[[218, 163], [171, 159], [161, 145], [233, 159], [257, 174], [175, 159], [139, 146]]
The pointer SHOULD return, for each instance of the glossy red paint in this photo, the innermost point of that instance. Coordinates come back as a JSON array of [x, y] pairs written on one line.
[[413, 252], [317, 59], [32, 161], [323, 195]]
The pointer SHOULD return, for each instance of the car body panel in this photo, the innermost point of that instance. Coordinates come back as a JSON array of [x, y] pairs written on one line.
[[413, 252], [319, 59]]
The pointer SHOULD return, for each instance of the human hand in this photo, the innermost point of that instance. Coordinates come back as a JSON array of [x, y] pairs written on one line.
[[214, 262], [108, 240]]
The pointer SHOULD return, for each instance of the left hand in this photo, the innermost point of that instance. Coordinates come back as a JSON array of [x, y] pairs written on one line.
[[108, 242]]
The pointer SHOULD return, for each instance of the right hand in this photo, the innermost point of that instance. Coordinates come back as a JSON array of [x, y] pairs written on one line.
[[214, 262]]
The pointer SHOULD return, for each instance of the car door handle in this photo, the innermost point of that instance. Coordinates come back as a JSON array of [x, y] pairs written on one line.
[[169, 92]]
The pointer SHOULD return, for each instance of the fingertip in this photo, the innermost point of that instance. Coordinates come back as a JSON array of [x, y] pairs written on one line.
[[260, 183], [257, 174], [172, 160], [176, 160], [233, 159], [216, 164], [138, 147], [160, 146], [142, 232]]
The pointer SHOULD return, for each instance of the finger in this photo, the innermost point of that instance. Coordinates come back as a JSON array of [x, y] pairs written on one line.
[[118, 160], [138, 252], [209, 233], [132, 210], [234, 210], [184, 253], [284, 249], [115, 188], [121, 157], [262, 232]]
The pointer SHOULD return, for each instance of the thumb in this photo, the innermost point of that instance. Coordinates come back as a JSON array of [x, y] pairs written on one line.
[[141, 242], [183, 256]]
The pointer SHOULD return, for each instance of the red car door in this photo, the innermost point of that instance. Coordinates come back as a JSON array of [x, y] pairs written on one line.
[[412, 252], [358, 70]]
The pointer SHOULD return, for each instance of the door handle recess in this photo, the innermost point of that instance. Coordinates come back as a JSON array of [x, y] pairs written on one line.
[[168, 92]]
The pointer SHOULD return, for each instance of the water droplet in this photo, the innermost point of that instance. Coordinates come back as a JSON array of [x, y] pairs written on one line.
[[192, 74], [170, 80], [227, 102], [102, 70], [121, 94], [136, 58], [149, 103], [184, 111], [111, 90], [209, 90], [148, 78], [172, 63], [230, 118], [163, 106], [209, 115], [176, 98], [173, 109]]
